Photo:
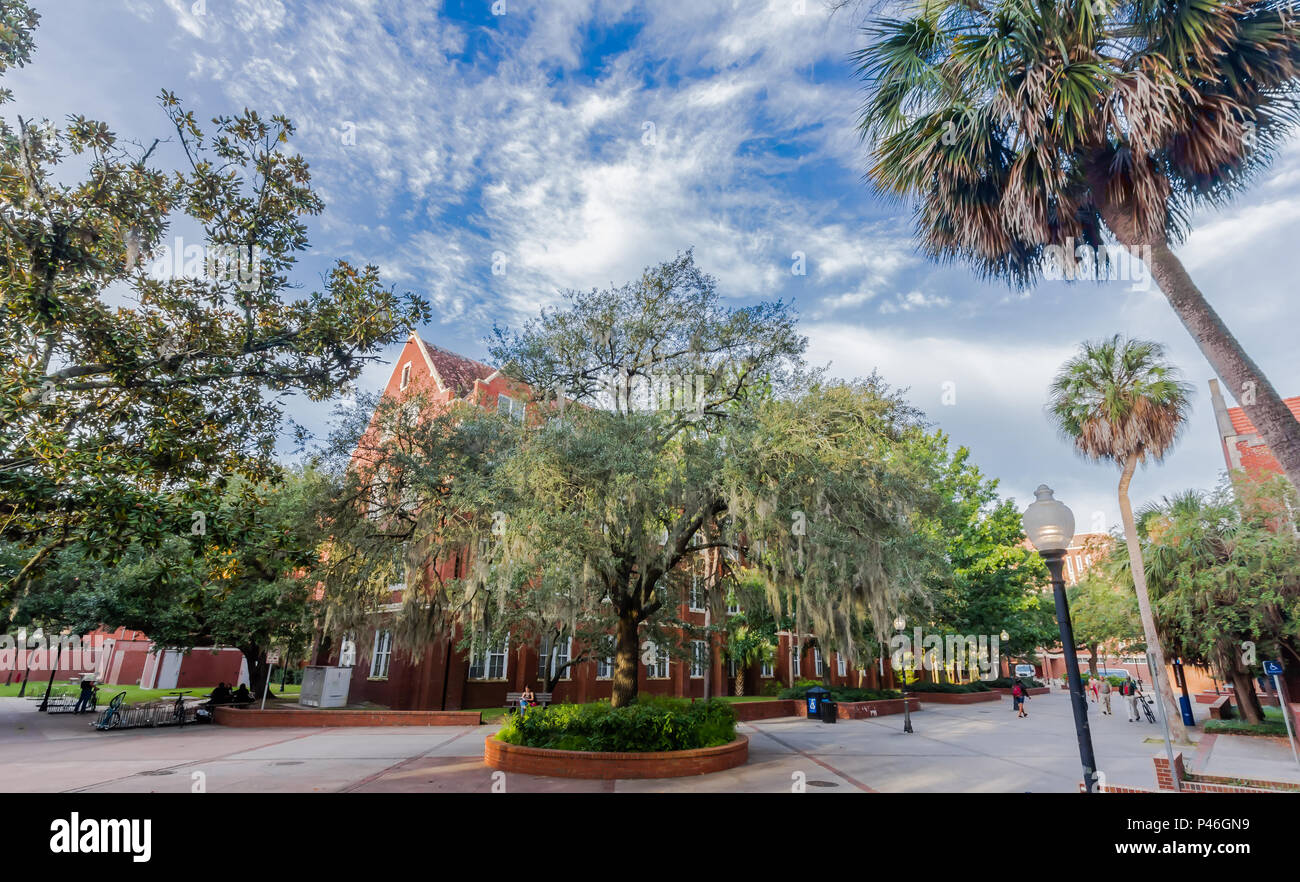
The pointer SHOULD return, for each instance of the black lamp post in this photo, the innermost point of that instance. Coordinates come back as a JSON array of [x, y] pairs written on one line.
[[1050, 527], [900, 623]]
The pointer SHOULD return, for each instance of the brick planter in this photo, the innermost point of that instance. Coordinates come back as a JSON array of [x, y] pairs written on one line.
[[247, 718], [864, 710], [589, 764], [747, 711], [957, 697]]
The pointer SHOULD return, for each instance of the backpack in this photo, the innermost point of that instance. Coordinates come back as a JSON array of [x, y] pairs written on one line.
[[1017, 690]]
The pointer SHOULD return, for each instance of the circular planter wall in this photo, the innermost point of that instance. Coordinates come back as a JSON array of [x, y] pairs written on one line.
[[589, 764]]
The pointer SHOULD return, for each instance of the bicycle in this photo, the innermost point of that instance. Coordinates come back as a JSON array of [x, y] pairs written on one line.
[[178, 709], [112, 717], [1146, 709]]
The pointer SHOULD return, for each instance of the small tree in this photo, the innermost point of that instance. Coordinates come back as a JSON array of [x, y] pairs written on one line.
[[1120, 400], [1225, 577]]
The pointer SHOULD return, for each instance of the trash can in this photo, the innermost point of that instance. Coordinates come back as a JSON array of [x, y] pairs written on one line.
[[1186, 707], [830, 711], [815, 698]]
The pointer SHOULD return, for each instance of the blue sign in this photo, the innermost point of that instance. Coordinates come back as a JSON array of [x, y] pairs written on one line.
[[1273, 668], [812, 705]]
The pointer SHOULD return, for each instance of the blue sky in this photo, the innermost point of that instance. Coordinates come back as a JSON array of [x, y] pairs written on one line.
[[581, 140]]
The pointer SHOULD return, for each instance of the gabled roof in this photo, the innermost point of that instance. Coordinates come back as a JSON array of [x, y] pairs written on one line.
[[454, 371]]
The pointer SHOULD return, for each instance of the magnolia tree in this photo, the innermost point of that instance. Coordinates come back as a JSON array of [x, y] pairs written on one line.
[[668, 438]]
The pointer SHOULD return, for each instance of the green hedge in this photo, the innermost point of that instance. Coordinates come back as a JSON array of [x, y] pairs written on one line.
[[948, 687], [649, 725], [841, 693], [1008, 682]]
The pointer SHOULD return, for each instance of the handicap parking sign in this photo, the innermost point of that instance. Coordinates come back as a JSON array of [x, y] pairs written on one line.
[[1273, 668]]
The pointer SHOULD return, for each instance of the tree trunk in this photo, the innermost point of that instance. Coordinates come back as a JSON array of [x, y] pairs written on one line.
[[740, 681], [45, 700], [258, 672], [1247, 383], [1136, 566], [1092, 659], [626, 658], [1271, 417], [1243, 686]]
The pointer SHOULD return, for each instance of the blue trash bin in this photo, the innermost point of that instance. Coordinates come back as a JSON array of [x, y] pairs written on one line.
[[814, 698]]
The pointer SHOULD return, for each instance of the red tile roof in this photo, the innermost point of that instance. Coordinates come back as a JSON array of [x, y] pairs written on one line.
[[457, 371], [1241, 424]]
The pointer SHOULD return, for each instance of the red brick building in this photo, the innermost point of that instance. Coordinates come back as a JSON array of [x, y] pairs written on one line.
[[444, 678], [1242, 447]]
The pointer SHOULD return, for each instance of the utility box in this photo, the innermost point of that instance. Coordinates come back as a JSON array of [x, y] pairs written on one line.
[[325, 686]]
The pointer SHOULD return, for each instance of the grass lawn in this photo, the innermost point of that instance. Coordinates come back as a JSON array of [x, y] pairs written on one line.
[[134, 694], [1273, 724]]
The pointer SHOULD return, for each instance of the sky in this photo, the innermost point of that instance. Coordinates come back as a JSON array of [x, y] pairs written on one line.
[[572, 143]]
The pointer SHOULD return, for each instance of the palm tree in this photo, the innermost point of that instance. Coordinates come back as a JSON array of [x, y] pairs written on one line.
[[1119, 400], [1024, 128]]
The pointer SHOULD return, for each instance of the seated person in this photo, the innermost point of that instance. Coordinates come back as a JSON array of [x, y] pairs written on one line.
[[220, 695], [527, 699], [242, 695]]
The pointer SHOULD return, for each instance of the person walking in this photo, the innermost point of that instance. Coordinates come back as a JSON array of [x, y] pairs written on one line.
[[1104, 689], [1020, 695], [1092, 687], [1129, 691], [86, 700]]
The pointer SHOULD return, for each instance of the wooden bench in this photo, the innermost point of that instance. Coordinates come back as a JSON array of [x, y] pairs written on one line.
[[512, 699], [1221, 708]]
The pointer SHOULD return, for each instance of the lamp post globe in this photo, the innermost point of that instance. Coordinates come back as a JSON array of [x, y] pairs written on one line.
[[1049, 524]]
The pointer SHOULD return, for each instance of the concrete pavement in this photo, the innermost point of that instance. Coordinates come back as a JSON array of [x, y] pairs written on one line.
[[970, 748]]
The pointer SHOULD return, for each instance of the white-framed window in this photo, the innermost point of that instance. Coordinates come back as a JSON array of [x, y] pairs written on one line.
[[510, 407], [767, 669], [699, 658], [733, 605], [552, 658], [697, 593], [379, 657], [841, 665], [406, 376], [605, 668], [490, 662], [818, 666], [732, 667], [658, 670], [796, 663]]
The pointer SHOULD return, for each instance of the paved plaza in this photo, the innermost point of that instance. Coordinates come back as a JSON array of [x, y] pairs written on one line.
[[970, 748]]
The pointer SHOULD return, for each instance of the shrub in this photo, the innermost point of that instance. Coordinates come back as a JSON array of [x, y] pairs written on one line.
[[840, 693], [650, 724], [772, 688], [948, 687], [1241, 727], [1008, 682]]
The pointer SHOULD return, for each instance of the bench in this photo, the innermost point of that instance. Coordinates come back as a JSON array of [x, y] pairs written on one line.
[[512, 699], [1221, 708]]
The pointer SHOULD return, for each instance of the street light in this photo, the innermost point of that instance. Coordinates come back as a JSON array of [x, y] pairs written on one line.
[[899, 624], [1049, 524]]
